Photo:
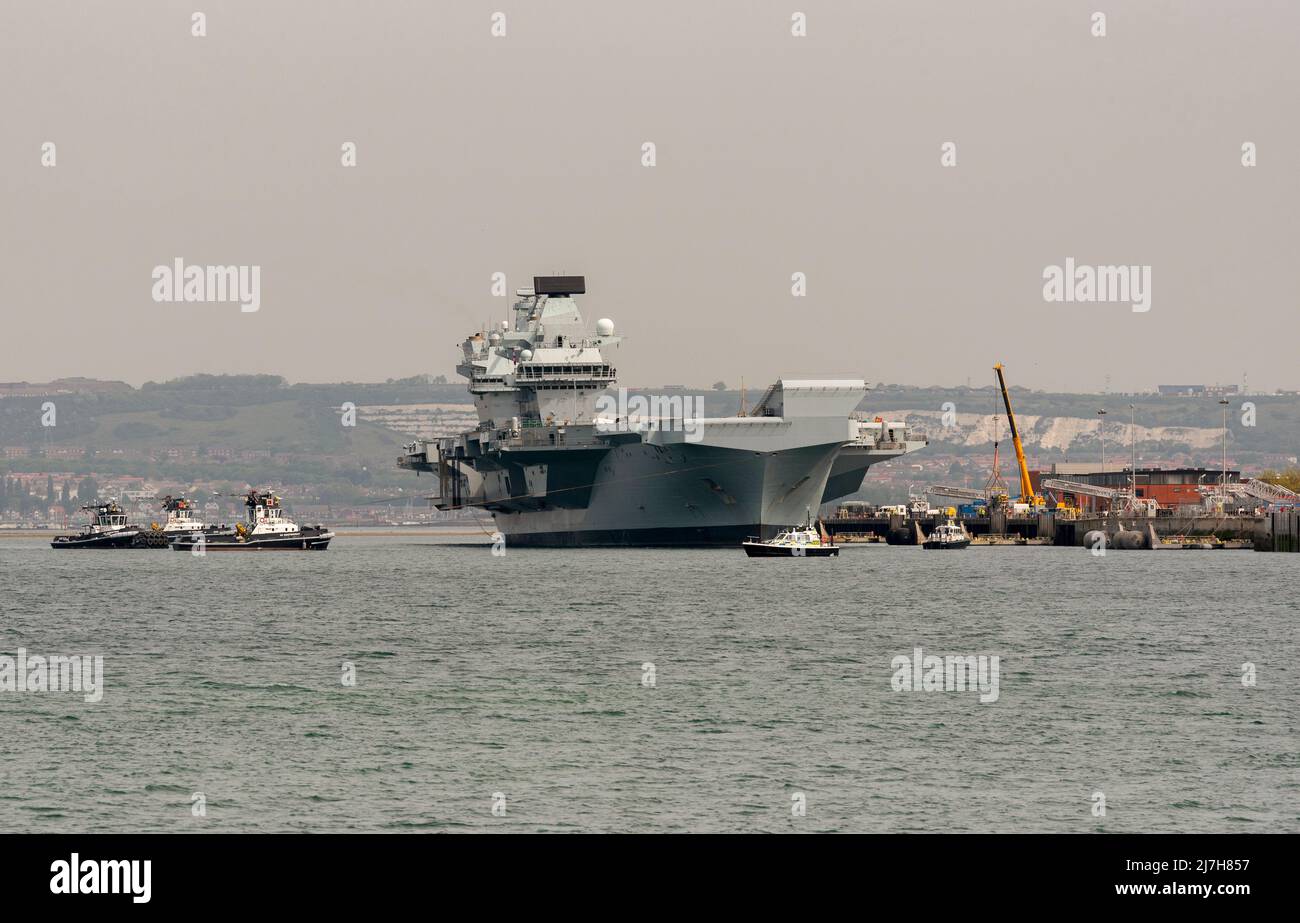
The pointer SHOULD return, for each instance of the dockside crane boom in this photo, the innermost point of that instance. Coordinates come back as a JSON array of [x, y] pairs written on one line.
[[958, 493], [1027, 494]]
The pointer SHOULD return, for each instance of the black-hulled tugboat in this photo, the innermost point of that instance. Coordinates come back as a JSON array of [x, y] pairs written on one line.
[[267, 528], [802, 542], [108, 529], [946, 536]]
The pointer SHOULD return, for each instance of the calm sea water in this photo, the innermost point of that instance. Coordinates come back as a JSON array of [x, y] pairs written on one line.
[[522, 676]]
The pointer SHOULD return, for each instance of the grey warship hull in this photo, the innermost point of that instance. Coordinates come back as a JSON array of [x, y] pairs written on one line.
[[559, 464], [644, 493]]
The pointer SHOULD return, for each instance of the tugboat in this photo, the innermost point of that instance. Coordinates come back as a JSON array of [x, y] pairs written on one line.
[[180, 518], [947, 535], [180, 521], [802, 542], [267, 528], [108, 529]]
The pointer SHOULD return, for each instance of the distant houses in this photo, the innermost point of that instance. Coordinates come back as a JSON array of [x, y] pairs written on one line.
[[61, 386]]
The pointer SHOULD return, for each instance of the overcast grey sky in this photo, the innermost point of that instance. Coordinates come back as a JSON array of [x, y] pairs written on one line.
[[775, 155]]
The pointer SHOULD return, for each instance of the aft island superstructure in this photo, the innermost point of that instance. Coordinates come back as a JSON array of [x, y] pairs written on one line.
[[559, 462]]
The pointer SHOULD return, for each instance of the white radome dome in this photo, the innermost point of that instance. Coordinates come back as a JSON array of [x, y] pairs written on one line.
[[604, 327], [494, 338], [526, 355]]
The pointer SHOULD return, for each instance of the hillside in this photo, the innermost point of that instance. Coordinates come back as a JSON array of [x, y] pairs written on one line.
[[260, 429], [253, 429], [1057, 426]]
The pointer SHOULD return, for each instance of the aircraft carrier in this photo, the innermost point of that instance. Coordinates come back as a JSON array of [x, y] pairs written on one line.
[[558, 462]]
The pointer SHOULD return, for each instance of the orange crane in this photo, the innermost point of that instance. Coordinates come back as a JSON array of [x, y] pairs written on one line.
[[1027, 494]]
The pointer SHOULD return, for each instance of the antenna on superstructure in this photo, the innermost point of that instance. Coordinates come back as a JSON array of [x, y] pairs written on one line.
[[742, 396]]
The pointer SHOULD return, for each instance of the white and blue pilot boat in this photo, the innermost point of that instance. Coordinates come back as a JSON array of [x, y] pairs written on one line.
[[947, 536], [805, 541]]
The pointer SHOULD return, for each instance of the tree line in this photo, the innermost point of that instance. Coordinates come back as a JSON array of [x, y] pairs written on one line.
[[16, 495]]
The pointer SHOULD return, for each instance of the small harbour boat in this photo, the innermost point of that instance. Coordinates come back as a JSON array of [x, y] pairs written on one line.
[[946, 535], [802, 542], [268, 528], [108, 529]]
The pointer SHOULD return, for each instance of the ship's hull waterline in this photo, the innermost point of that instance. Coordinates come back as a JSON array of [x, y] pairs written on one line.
[[124, 539], [762, 550], [278, 543]]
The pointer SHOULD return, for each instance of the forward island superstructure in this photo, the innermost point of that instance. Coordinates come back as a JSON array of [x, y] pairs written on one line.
[[558, 462]]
